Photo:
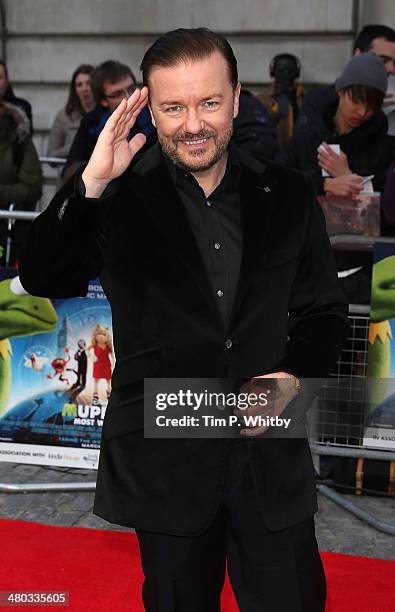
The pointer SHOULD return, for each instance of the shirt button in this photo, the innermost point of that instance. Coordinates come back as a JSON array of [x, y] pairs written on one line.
[[217, 246], [228, 343], [220, 293], [208, 202]]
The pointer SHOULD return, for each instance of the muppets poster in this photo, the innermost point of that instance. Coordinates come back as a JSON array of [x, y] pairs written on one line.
[[380, 421], [56, 361]]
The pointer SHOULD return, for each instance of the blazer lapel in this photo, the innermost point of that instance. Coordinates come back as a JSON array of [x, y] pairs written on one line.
[[168, 212]]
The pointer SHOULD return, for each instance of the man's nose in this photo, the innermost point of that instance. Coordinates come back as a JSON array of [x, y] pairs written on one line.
[[362, 111], [193, 122]]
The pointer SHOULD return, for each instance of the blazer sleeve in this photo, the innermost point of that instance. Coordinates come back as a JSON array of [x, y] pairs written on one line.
[[318, 310], [65, 246]]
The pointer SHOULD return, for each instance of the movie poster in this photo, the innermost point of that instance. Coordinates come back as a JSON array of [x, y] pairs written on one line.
[[380, 422], [56, 361]]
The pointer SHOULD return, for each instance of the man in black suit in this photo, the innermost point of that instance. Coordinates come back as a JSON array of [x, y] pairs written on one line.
[[215, 266]]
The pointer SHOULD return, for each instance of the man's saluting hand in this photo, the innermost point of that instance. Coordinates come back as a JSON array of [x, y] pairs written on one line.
[[113, 153]]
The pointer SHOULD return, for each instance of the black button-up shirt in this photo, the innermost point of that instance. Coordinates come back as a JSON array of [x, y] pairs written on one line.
[[216, 224]]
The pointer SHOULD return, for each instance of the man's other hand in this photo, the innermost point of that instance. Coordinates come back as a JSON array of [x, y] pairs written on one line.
[[278, 387]]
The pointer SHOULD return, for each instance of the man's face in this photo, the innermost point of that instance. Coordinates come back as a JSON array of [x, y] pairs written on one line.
[[386, 51], [3, 82], [115, 92], [193, 106], [353, 113]]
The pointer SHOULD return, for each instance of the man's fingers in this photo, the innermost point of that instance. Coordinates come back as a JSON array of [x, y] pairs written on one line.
[[137, 142], [137, 100], [133, 109], [389, 99], [253, 431], [127, 109], [357, 181], [116, 116]]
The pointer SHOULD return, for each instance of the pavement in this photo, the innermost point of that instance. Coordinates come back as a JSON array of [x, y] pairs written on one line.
[[337, 530]]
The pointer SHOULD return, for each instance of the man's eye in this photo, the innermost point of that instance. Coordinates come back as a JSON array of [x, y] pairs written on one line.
[[210, 104], [173, 109]]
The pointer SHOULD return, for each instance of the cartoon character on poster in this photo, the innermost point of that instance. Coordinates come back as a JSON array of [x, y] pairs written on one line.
[[82, 367], [381, 351], [102, 353], [56, 361], [21, 315]]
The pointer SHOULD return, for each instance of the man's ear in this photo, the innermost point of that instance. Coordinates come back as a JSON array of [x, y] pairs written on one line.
[[152, 116], [104, 103], [236, 97]]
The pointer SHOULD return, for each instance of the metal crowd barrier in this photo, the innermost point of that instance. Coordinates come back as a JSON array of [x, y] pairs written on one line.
[[341, 434], [12, 215], [57, 161]]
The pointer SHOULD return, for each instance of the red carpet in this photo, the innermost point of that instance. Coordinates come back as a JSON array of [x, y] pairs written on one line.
[[101, 571]]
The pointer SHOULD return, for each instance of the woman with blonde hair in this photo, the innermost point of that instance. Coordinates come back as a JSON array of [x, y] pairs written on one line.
[[103, 359]]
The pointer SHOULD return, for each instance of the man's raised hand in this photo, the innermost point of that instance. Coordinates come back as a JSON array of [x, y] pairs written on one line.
[[113, 153]]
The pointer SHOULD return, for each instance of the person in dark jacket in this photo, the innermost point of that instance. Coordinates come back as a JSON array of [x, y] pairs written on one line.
[[215, 265], [7, 94], [254, 131], [348, 114], [110, 82], [20, 173], [284, 96], [381, 40]]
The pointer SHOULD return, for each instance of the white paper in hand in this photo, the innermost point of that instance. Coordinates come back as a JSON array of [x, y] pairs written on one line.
[[336, 149]]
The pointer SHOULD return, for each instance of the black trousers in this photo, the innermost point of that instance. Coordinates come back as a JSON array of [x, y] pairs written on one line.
[[269, 571]]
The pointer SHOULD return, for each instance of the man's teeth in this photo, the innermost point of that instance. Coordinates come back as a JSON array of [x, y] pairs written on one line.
[[191, 142]]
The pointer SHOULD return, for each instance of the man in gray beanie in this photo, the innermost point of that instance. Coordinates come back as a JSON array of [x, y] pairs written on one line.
[[347, 114], [363, 69]]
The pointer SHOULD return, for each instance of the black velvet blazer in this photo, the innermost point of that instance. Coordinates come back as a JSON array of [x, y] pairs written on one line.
[[288, 314]]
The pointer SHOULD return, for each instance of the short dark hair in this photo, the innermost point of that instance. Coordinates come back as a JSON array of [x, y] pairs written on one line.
[[110, 71], [73, 102], [2, 63], [185, 45], [372, 97], [367, 35]]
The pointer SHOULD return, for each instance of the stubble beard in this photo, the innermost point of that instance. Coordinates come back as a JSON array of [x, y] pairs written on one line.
[[198, 160]]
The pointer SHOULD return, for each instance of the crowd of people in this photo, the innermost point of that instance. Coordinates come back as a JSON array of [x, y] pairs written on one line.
[[283, 123]]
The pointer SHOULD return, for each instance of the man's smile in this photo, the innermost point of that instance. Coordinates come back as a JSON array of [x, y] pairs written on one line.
[[195, 142]]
